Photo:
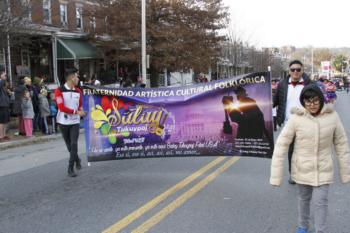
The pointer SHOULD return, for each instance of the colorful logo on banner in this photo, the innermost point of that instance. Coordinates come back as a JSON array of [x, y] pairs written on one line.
[[114, 113], [225, 117]]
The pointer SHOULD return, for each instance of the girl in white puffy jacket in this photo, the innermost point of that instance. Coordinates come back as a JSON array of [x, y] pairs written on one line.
[[315, 129]]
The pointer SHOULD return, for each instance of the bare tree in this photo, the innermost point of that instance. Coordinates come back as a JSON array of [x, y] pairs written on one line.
[[15, 16], [244, 56]]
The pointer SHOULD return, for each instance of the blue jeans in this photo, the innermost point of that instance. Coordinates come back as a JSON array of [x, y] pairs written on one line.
[[36, 122], [44, 126]]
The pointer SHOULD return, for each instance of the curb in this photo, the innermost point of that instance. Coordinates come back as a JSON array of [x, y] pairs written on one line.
[[29, 141]]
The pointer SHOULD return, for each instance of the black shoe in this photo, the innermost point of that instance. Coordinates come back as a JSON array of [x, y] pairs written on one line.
[[78, 164], [290, 181], [71, 172]]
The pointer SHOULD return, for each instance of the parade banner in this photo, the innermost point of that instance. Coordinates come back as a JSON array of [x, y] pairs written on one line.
[[228, 117]]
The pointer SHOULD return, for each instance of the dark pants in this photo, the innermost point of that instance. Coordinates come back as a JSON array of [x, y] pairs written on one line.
[[36, 122], [274, 123], [290, 153], [70, 135], [53, 124], [44, 125]]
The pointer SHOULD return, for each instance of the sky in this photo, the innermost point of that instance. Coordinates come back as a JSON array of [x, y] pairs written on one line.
[[302, 23]]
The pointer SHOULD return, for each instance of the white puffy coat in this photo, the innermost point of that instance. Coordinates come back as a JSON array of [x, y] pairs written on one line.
[[312, 160]]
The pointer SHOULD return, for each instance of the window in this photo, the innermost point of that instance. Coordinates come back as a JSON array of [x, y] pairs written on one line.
[[93, 23], [26, 9], [3, 5], [63, 14], [2, 57], [79, 17], [47, 11], [25, 58], [106, 24]]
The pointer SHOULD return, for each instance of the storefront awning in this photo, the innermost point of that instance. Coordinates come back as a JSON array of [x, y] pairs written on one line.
[[75, 49]]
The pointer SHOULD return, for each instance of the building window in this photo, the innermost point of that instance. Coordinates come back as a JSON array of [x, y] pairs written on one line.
[[2, 57], [25, 58], [93, 23], [106, 24], [63, 15], [26, 9], [47, 11], [79, 17]]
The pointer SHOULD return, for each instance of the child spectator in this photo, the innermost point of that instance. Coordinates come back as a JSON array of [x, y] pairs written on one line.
[[53, 111], [44, 110], [27, 113]]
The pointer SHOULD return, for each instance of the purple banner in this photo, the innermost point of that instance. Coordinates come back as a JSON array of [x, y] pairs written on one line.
[[231, 117]]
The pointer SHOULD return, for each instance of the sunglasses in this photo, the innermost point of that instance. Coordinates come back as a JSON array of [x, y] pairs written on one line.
[[295, 69]]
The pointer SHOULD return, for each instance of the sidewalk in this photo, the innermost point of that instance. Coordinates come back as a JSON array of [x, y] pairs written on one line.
[[17, 140]]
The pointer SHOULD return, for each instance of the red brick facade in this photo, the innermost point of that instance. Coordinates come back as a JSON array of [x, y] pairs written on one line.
[[37, 14]]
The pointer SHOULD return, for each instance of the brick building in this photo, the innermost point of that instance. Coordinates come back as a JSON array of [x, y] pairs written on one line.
[[54, 36]]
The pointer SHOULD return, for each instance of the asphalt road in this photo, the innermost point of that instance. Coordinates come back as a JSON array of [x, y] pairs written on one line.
[[224, 196]]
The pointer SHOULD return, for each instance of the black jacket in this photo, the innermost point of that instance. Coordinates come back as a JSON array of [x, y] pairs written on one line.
[[19, 91], [4, 97], [280, 99]]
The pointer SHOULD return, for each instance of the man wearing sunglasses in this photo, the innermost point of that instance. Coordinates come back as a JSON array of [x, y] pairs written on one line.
[[287, 97]]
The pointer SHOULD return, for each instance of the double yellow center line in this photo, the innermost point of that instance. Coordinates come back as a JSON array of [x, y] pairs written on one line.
[[144, 227]]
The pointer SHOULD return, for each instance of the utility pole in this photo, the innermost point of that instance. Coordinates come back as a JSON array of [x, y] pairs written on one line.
[[312, 62], [143, 41], [9, 72]]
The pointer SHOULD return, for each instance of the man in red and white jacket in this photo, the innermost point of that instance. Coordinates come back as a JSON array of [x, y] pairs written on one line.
[[69, 101]]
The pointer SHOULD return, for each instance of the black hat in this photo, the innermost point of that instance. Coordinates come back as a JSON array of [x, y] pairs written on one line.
[[312, 89]]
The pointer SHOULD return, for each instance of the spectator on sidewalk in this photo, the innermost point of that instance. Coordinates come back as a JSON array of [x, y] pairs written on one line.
[[140, 83], [37, 86], [97, 82], [312, 163], [34, 97], [17, 108], [4, 105], [44, 110], [27, 113], [127, 83], [53, 112], [287, 97], [69, 101]]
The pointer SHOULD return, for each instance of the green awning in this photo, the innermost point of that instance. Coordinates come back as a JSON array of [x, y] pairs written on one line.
[[75, 49]]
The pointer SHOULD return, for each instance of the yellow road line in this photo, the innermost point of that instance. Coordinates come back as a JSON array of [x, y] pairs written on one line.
[[155, 201], [155, 219]]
